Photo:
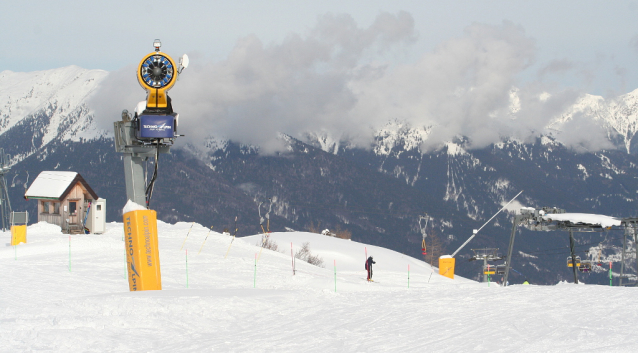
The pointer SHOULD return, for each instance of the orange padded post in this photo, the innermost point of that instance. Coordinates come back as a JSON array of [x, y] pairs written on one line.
[[18, 234], [142, 253], [446, 266]]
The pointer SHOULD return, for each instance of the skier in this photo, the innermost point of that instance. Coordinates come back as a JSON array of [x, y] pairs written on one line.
[[526, 282], [369, 263]]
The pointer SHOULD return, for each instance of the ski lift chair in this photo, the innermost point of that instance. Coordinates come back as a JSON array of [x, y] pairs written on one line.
[[585, 266], [577, 260], [500, 269], [489, 270]]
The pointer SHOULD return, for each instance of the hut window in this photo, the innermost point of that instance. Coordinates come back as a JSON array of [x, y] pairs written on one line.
[[99, 207], [45, 206], [56, 207], [72, 207]]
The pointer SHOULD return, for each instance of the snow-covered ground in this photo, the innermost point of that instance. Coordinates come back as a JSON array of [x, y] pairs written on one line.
[[44, 306]]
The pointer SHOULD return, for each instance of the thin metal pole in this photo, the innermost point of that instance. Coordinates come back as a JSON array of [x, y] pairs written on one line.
[[186, 268], [571, 246], [633, 228], [335, 263], [622, 256], [508, 263], [484, 266]]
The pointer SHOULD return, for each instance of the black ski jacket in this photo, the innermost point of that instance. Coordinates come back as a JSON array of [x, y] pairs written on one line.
[[369, 263]]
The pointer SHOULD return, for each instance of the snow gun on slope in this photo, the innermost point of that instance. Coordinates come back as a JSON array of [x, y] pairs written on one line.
[[447, 262], [150, 131]]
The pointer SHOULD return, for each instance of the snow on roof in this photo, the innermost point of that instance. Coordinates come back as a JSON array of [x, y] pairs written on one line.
[[50, 184], [584, 218]]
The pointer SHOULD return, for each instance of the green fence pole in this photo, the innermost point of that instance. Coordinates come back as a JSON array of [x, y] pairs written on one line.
[[335, 263], [186, 268]]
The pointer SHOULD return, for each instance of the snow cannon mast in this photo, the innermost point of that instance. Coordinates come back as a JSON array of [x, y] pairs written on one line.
[[151, 130]]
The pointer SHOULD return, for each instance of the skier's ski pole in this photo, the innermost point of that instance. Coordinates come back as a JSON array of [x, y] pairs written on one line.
[[189, 232], [200, 249]]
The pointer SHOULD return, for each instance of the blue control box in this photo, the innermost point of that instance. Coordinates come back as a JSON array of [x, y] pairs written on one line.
[[156, 126]]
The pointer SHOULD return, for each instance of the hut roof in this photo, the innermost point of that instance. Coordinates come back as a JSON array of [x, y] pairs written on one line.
[[56, 185]]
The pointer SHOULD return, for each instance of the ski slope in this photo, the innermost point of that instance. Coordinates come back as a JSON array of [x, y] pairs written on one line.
[[45, 306]]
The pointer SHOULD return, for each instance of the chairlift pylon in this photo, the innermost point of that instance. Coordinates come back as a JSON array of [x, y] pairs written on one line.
[[570, 263]]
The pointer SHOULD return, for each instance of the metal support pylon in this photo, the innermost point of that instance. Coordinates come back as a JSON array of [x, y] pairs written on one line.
[[571, 247], [517, 220]]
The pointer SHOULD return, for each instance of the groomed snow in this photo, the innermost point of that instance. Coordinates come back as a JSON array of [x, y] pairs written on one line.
[[584, 218], [46, 307]]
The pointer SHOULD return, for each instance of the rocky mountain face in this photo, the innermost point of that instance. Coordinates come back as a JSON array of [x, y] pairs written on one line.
[[378, 194]]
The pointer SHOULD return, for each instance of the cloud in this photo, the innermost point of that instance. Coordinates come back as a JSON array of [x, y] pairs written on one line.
[[556, 66], [584, 134], [323, 82], [298, 85]]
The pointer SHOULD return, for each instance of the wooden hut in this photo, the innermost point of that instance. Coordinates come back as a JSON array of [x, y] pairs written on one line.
[[63, 198]]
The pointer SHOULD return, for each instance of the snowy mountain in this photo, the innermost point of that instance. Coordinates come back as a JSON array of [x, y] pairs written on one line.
[[39, 107], [70, 294], [378, 194]]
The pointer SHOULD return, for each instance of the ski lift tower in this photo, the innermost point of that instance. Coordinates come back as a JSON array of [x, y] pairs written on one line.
[[151, 130], [5, 204], [487, 255]]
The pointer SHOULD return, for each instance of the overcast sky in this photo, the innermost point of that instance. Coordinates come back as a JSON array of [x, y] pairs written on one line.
[[592, 44]]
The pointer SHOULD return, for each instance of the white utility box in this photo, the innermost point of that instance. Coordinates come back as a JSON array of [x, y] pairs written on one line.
[[96, 222]]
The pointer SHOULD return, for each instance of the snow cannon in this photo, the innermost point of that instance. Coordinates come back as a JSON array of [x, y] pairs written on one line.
[[446, 266], [148, 133]]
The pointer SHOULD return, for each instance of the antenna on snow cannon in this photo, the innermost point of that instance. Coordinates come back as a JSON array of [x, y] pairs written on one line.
[[149, 131]]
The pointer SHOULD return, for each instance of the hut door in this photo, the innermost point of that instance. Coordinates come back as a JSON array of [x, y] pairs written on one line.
[[73, 212]]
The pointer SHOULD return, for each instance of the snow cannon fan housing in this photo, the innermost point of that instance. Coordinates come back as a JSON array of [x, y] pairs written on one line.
[[157, 73]]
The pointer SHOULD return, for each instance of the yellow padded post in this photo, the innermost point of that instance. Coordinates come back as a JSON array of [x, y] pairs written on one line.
[[446, 266], [18, 234], [142, 252]]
